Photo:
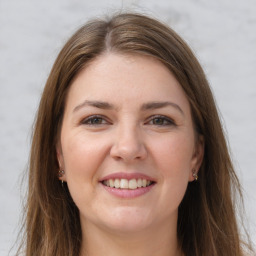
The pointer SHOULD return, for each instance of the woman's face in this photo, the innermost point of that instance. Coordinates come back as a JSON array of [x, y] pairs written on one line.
[[127, 144]]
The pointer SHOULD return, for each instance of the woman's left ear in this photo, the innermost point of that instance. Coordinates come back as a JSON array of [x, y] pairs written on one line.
[[197, 158]]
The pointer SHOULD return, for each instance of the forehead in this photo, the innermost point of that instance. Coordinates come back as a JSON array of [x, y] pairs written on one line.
[[125, 79]]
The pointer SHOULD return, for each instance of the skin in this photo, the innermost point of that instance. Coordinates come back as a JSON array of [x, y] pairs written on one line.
[[128, 138]]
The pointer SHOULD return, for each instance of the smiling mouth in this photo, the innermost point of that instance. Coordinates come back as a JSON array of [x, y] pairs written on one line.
[[127, 184]]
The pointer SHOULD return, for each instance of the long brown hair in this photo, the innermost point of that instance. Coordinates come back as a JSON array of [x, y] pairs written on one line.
[[207, 222]]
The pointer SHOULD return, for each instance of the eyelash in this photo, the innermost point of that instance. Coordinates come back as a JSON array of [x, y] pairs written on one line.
[[166, 121], [88, 120]]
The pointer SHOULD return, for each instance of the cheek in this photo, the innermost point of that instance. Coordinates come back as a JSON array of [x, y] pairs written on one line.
[[174, 155], [173, 164], [82, 156], [173, 158]]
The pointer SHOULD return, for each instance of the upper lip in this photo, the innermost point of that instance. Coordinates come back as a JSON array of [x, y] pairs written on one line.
[[128, 176]]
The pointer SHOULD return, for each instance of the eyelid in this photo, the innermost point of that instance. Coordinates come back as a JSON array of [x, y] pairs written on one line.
[[166, 118], [85, 121], [88, 118]]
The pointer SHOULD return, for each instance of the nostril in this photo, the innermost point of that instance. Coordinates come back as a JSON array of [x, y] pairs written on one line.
[[128, 151]]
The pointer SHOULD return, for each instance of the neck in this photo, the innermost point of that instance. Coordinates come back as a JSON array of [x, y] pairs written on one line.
[[161, 241]]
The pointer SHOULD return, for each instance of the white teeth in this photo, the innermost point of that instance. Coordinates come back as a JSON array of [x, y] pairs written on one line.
[[117, 183], [133, 184], [127, 184], [124, 183], [111, 183]]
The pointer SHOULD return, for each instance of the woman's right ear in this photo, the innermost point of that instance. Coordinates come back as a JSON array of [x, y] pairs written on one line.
[[61, 169], [60, 156]]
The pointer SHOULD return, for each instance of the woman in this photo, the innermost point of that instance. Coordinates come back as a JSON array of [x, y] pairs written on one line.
[[128, 154]]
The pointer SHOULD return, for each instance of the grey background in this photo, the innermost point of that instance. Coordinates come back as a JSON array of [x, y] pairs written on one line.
[[222, 33]]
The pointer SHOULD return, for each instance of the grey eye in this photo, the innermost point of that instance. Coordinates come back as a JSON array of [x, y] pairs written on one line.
[[94, 120], [161, 120]]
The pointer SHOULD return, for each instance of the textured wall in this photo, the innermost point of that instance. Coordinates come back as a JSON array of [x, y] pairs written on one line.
[[222, 33]]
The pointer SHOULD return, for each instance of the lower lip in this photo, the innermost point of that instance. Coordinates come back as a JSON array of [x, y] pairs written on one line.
[[128, 193]]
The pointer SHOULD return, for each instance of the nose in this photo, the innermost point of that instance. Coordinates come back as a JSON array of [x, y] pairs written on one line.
[[128, 145]]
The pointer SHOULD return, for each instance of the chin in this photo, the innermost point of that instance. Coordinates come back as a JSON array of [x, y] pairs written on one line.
[[127, 219]]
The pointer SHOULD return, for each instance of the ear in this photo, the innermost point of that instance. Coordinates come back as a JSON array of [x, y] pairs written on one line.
[[60, 159], [197, 158]]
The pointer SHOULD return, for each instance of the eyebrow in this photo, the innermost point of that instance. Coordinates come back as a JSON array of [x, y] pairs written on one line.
[[160, 104], [144, 107], [96, 104]]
